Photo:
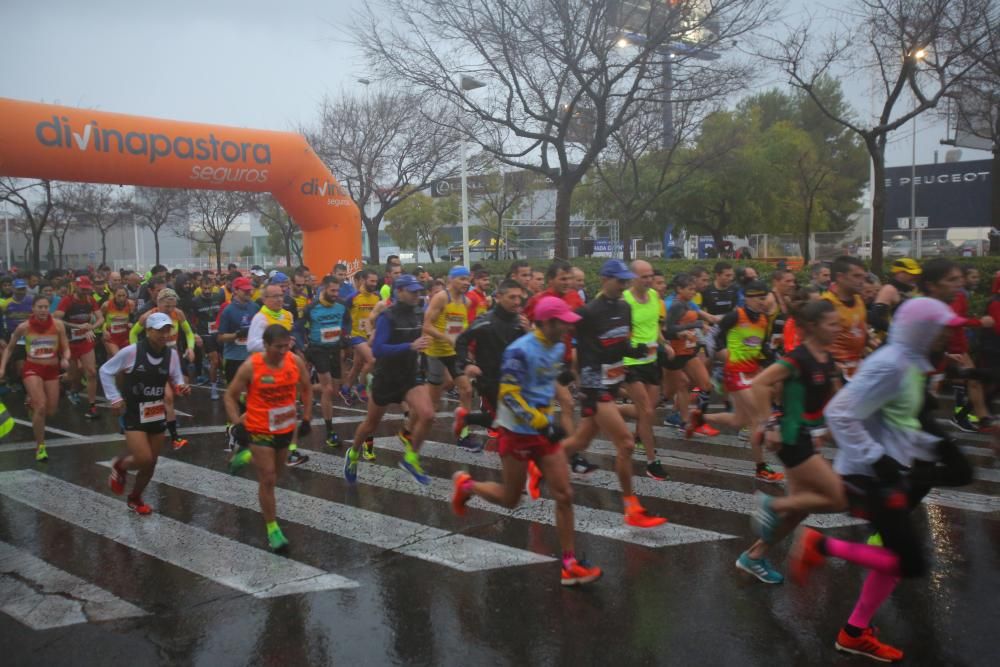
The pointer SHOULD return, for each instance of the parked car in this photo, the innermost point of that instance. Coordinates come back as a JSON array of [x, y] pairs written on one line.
[[901, 248]]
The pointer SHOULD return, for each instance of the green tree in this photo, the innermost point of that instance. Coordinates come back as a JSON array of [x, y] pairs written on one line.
[[283, 236], [417, 223]]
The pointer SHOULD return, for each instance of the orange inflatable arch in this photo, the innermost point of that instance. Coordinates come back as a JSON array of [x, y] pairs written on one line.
[[68, 144]]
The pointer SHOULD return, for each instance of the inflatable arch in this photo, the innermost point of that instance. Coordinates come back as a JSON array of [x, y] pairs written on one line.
[[69, 144]]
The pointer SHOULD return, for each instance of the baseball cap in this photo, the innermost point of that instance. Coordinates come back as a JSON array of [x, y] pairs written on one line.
[[554, 308], [258, 272], [242, 283], [278, 277], [755, 288], [407, 282], [166, 293], [458, 272], [83, 282], [158, 321], [20, 283], [615, 268], [419, 269], [906, 265]]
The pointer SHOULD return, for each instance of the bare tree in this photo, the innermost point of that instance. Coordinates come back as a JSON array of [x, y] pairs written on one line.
[[214, 213], [556, 84], [36, 202], [383, 149], [159, 209], [100, 206], [280, 227], [501, 195], [924, 46]]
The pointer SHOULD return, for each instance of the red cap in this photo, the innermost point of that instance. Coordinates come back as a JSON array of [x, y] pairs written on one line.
[[242, 283], [554, 308], [83, 282]]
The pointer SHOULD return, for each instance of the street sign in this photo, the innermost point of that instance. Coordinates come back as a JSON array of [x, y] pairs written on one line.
[[920, 222], [903, 223]]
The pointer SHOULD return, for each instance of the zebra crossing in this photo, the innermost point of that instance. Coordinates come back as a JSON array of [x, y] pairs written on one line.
[[42, 596]]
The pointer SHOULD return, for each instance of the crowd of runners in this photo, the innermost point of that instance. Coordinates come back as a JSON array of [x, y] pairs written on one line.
[[539, 366]]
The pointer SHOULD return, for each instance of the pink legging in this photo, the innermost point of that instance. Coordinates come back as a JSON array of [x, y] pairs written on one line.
[[879, 583]]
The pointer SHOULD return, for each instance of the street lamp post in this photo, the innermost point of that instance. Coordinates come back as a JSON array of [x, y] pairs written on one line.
[[466, 83], [915, 236]]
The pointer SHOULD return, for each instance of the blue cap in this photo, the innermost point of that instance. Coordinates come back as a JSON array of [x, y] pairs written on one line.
[[279, 277], [20, 283], [407, 282], [458, 272], [615, 268]]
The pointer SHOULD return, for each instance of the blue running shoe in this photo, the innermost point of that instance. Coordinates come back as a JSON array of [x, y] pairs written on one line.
[[411, 464], [346, 395], [471, 443], [673, 419], [764, 520], [351, 466], [760, 568]]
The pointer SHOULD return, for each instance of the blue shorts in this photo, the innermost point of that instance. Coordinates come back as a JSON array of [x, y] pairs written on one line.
[[357, 340]]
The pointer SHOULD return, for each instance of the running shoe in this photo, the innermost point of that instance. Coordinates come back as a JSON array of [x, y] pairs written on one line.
[[707, 430], [764, 520], [638, 517], [368, 451], [296, 458], [534, 481], [581, 466], [136, 504], [411, 464], [875, 540], [239, 460], [694, 423], [40, 454], [963, 423], [656, 471], [231, 445], [639, 447], [214, 395], [805, 555], [766, 473], [674, 419], [277, 540], [360, 393], [73, 397], [332, 439], [351, 466], [760, 568], [459, 497], [404, 437], [471, 443], [346, 395], [91, 413], [179, 443], [867, 645], [452, 394], [117, 478], [459, 425], [743, 435], [579, 572]]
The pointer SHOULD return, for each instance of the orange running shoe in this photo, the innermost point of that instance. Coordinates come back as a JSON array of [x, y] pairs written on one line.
[[707, 430], [867, 645], [534, 480], [766, 473], [805, 555], [179, 443], [579, 572], [459, 497], [117, 478], [638, 516], [459, 425], [136, 504], [694, 423]]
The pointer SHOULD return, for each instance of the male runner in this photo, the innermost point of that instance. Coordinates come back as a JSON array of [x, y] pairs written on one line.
[[902, 285], [397, 344], [845, 294], [328, 322], [479, 297], [360, 307], [270, 379], [207, 303], [145, 367], [527, 432], [17, 309], [82, 316]]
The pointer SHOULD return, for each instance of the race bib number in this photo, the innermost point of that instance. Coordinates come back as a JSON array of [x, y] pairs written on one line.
[[612, 374], [745, 381], [213, 327], [329, 334], [152, 411], [241, 339], [281, 419], [118, 327], [455, 326], [42, 349], [76, 335]]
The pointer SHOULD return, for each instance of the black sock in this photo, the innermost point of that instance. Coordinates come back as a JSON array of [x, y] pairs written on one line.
[[852, 630], [172, 427], [329, 424]]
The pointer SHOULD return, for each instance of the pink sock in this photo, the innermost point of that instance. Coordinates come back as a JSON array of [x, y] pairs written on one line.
[[467, 486], [879, 559], [876, 589], [568, 557]]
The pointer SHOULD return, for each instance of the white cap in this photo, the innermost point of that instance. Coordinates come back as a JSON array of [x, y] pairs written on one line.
[[158, 321], [258, 272]]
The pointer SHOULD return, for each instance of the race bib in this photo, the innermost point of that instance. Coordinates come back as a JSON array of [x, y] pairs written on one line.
[[612, 374], [690, 343], [42, 349], [152, 411], [329, 334], [213, 327], [281, 419], [118, 327], [76, 335], [455, 326]]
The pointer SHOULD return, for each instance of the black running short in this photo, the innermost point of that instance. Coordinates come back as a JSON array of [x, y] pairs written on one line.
[[591, 397], [644, 373], [229, 368], [132, 423], [793, 455], [209, 343], [273, 440], [678, 362], [325, 359], [436, 366], [890, 512], [386, 391]]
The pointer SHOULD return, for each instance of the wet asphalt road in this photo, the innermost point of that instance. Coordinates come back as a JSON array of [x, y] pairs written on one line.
[[383, 573]]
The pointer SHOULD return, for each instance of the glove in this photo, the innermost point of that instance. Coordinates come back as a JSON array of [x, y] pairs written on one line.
[[240, 435], [305, 428], [565, 378], [554, 433], [887, 469]]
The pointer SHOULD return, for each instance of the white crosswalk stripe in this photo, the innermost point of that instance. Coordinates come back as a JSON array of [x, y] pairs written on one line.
[[259, 573], [459, 552], [42, 596], [588, 520]]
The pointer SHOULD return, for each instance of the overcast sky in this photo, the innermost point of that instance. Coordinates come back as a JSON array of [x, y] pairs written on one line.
[[263, 64]]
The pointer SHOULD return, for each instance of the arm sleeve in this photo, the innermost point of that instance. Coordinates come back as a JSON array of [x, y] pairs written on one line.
[[188, 334], [380, 341], [879, 317], [255, 337], [514, 372], [133, 333], [860, 398], [123, 361]]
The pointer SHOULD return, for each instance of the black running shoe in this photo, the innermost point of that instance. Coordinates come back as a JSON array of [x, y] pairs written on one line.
[[581, 466]]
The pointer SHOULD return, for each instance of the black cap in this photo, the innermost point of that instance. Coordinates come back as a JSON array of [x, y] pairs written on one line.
[[755, 288]]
